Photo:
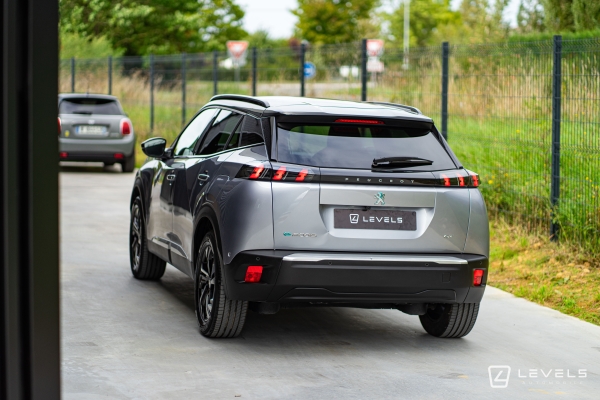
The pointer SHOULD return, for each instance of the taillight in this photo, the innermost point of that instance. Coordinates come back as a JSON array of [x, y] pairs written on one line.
[[477, 277], [474, 178], [460, 178], [277, 172], [125, 127], [257, 172], [59, 127], [301, 175]]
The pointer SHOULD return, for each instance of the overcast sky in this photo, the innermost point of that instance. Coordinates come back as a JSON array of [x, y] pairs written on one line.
[[276, 18]]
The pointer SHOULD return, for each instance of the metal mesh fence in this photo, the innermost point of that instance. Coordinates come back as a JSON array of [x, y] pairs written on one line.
[[499, 105]]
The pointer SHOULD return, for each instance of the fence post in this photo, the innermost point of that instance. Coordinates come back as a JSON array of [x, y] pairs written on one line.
[[151, 92], [215, 72], [109, 74], [302, 62], [254, 71], [363, 70], [444, 110], [72, 74], [556, 108], [183, 88]]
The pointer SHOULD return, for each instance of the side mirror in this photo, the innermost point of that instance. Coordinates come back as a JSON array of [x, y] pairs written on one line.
[[154, 147]]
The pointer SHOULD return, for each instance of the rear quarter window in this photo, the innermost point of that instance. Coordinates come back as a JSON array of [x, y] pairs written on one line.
[[89, 106]]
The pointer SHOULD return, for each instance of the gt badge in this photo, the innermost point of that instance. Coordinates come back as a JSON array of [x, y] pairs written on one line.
[[380, 199]]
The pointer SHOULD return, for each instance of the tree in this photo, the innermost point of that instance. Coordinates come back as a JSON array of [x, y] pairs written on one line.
[[426, 17], [155, 26], [559, 15], [332, 21], [530, 17], [483, 20], [586, 14]]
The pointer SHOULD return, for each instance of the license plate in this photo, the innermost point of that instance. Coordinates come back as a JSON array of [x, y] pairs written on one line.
[[393, 220], [91, 130]]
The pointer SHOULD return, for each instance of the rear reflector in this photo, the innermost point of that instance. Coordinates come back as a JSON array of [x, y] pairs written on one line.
[[125, 127], [253, 274], [477, 277], [359, 121], [119, 156], [63, 154]]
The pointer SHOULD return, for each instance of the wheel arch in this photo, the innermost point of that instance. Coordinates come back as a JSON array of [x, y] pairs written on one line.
[[205, 222]]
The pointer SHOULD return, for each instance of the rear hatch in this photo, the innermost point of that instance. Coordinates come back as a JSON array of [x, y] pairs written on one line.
[[369, 185], [92, 119]]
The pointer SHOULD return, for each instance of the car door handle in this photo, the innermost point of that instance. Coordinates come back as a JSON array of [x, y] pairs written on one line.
[[170, 177], [203, 177]]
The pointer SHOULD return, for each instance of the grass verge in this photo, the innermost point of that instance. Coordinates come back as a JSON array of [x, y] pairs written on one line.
[[556, 275]]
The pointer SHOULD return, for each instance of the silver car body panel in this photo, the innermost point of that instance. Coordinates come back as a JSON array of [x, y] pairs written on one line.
[[442, 218], [478, 236]]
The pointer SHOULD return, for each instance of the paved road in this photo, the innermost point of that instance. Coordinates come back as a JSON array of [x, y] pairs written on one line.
[[126, 339]]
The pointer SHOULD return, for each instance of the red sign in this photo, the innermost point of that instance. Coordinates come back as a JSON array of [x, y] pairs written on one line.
[[374, 47], [237, 49]]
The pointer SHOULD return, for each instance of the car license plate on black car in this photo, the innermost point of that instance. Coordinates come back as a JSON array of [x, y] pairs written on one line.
[[375, 219]]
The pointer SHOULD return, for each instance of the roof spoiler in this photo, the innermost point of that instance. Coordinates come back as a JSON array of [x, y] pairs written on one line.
[[410, 109], [239, 97]]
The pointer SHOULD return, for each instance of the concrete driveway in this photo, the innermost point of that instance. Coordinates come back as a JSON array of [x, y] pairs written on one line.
[[127, 339]]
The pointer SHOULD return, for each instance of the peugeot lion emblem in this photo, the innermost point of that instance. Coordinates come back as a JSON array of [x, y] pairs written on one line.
[[380, 199]]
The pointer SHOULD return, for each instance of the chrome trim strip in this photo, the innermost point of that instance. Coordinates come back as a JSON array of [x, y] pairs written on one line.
[[316, 257], [177, 249], [161, 242]]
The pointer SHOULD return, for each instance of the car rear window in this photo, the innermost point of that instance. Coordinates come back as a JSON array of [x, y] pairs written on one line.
[[89, 106], [356, 146]]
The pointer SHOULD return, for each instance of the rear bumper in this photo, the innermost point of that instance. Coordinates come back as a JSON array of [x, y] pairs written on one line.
[[93, 157], [351, 278], [96, 149]]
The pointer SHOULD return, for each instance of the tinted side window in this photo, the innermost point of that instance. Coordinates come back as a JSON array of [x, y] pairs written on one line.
[[189, 137], [216, 138], [89, 106], [234, 139], [251, 132]]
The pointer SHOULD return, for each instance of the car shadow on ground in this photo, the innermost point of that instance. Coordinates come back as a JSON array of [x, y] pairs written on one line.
[[344, 329], [66, 166]]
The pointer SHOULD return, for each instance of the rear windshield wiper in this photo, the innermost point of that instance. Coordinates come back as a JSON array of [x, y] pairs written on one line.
[[83, 112], [399, 162]]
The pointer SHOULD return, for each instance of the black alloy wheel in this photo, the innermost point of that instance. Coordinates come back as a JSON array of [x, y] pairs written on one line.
[[218, 317], [144, 265], [206, 285]]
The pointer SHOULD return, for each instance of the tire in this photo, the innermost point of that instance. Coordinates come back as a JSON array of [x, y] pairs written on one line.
[[129, 164], [144, 265], [218, 317], [450, 320]]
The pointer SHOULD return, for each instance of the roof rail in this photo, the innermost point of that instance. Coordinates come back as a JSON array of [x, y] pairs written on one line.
[[411, 109], [239, 97]]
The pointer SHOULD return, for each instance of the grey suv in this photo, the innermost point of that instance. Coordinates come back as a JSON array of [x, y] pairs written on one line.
[[94, 127], [277, 202]]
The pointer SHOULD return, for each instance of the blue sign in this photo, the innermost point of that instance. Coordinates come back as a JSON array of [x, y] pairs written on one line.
[[310, 70]]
